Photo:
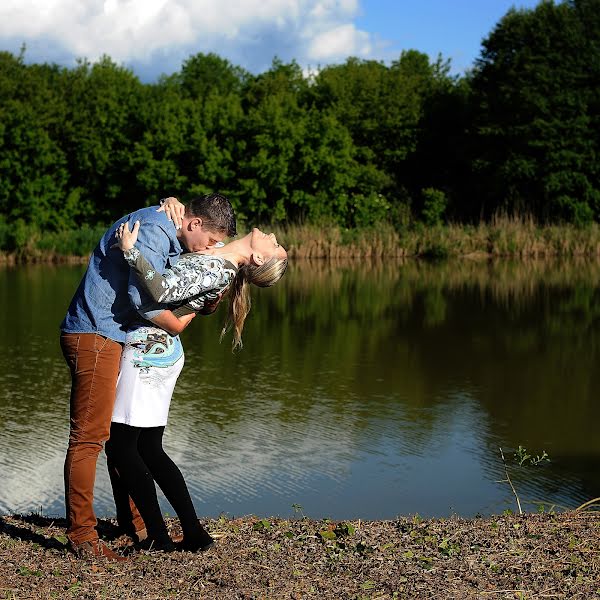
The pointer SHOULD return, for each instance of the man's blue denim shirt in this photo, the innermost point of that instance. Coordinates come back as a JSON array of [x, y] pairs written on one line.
[[109, 297]]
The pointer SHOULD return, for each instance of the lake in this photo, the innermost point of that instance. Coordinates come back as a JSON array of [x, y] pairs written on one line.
[[364, 390]]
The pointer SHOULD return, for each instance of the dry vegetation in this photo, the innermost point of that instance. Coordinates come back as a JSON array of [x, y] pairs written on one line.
[[517, 237], [503, 236], [523, 557]]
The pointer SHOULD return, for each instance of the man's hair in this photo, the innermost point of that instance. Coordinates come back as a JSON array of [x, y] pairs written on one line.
[[215, 211]]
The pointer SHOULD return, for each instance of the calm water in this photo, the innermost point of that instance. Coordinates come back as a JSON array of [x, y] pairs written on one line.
[[363, 390]]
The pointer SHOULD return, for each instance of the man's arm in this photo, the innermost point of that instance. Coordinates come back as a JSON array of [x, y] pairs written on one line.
[[156, 245]]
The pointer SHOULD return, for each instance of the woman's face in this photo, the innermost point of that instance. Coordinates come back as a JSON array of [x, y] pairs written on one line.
[[266, 245]]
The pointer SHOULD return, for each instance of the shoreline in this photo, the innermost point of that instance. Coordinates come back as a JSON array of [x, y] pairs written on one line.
[[13, 260], [502, 238], [508, 556]]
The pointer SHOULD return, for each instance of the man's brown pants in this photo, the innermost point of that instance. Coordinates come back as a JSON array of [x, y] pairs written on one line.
[[94, 364]]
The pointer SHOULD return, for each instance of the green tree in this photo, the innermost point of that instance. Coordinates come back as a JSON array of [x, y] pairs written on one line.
[[536, 103], [270, 135], [203, 74], [33, 166], [383, 109], [99, 132]]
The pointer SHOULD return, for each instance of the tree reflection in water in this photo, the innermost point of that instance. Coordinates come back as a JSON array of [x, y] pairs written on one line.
[[364, 389]]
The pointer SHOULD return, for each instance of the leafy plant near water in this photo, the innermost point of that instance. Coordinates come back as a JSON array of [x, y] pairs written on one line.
[[298, 509], [522, 457], [336, 536], [262, 525], [336, 532]]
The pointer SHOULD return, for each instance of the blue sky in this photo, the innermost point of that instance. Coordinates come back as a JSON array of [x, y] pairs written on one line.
[[453, 28], [155, 36]]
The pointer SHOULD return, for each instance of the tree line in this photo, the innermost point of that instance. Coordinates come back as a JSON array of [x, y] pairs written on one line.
[[354, 144]]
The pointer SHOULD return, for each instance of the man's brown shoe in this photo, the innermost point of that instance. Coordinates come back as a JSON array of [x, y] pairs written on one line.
[[140, 535], [96, 549]]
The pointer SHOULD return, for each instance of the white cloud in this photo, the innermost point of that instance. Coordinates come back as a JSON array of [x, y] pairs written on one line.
[[339, 42], [160, 34]]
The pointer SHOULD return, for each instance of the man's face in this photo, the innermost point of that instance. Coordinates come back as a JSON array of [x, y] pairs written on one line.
[[195, 237]]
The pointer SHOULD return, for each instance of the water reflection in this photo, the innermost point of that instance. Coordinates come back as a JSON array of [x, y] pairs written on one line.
[[364, 390]]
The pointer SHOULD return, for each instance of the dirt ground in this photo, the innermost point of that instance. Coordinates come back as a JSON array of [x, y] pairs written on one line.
[[509, 556]]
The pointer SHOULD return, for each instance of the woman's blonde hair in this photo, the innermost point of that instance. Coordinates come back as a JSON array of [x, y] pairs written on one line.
[[265, 275]]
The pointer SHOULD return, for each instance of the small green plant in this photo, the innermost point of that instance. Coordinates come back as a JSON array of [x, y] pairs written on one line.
[[448, 548], [335, 534], [327, 534], [523, 458], [262, 525], [344, 529], [368, 585], [298, 510], [26, 572]]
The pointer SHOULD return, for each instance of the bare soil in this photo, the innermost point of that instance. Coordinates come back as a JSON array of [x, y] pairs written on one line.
[[509, 556]]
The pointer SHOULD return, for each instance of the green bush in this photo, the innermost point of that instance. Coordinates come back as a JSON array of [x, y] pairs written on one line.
[[369, 209], [18, 236], [78, 242], [434, 206], [3, 233]]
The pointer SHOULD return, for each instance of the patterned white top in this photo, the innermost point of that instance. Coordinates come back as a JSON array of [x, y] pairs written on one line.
[[194, 281]]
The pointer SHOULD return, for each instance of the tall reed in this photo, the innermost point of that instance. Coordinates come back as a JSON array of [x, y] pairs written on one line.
[[502, 237]]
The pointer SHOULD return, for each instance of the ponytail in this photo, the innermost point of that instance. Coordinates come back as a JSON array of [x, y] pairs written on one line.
[[240, 302]]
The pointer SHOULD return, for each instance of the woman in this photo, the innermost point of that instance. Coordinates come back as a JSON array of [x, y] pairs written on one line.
[[153, 358]]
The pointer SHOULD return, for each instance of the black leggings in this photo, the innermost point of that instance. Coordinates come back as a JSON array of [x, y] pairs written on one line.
[[140, 460]]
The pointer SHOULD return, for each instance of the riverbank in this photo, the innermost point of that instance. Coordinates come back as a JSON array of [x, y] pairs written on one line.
[[509, 556], [503, 237]]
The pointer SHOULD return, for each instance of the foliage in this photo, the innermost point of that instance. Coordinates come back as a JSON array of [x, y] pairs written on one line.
[[536, 112], [357, 145], [434, 206], [524, 458]]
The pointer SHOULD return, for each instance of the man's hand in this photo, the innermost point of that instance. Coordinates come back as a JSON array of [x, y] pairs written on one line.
[[126, 239], [174, 210]]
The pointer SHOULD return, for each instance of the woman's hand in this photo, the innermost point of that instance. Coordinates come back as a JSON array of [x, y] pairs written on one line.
[[126, 239], [174, 210]]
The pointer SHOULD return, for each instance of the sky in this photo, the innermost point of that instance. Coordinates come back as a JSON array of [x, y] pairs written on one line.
[[154, 37]]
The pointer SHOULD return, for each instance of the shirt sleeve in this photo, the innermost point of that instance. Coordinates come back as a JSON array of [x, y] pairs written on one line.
[[195, 280], [156, 245]]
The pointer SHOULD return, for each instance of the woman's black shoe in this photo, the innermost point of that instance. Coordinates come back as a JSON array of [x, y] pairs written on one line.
[[199, 543], [157, 544]]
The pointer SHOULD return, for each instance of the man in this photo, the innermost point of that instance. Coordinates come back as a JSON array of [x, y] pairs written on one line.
[[92, 334]]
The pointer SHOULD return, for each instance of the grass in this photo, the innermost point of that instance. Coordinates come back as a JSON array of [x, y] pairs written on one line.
[[503, 236], [503, 557]]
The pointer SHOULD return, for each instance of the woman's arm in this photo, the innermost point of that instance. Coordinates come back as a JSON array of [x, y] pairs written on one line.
[[169, 322], [193, 276]]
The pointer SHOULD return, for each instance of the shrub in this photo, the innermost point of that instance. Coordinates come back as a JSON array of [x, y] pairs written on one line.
[[434, 206]]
